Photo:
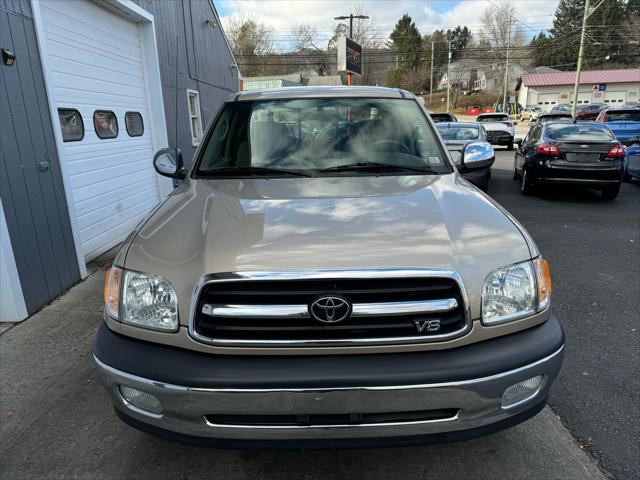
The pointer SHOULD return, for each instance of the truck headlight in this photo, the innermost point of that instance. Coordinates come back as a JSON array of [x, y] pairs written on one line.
[[516, 291], [141, 299]]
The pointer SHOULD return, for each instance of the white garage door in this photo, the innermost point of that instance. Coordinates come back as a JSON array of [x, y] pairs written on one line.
[[615, 98], [547, 101], [583, 98], [95, 64]]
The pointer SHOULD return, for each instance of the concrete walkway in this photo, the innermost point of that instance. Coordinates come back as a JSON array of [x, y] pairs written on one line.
[[56, 422]]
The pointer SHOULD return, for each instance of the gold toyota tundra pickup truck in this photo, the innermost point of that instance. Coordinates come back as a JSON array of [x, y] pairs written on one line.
[[323, 276]]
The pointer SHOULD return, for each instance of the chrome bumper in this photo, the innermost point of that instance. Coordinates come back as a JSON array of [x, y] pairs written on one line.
[[477, 401]]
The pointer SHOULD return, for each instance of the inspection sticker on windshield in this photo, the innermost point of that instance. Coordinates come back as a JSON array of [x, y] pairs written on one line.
[[433, 160]]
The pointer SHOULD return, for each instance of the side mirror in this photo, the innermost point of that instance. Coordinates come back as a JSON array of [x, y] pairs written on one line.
[[478, 155], [518, 141], [168, 163]]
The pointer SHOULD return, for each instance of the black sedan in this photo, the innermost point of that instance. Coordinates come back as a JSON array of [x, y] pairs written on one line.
[[467, 143], [579, 153]]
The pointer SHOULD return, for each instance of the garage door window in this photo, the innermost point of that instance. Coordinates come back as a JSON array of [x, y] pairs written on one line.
[[194, 116], [135, 126], [105, 123], [71, 125]]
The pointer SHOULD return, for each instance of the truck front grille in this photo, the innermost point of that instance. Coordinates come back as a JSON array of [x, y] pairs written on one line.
[[283, 313]]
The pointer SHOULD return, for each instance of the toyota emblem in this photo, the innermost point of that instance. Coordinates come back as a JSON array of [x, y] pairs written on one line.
[[330, 309]]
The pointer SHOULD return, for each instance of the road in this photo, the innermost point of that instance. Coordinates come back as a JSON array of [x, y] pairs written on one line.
[[57, 421], [593, 247]]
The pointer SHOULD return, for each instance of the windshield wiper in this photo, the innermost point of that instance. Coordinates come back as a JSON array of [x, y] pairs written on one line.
[[376, 166], [240, 171]]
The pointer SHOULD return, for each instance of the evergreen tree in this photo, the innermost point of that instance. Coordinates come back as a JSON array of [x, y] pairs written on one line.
[[439, 39], [565, 34], [460, 38], [606, 41], [542, 54], [406, 42], [632, 8]]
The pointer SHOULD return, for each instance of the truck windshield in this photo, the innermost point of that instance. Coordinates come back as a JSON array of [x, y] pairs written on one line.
[[334, 136]]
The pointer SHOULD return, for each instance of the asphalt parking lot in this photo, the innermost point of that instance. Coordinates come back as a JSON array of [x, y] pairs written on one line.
[[594, 252], [57, 421]]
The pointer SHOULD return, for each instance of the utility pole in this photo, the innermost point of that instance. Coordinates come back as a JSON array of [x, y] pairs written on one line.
[[431, 77], [448, 77], [350, 17], [506, 69], [580, 54]]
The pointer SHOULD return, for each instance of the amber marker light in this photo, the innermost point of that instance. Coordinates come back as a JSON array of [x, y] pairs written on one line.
[[112, 284], [543, 275]]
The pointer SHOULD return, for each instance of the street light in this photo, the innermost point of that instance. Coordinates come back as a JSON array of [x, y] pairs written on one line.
[[350, 17]]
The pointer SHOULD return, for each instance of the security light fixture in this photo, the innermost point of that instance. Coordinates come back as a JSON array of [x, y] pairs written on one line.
[[8, 58]]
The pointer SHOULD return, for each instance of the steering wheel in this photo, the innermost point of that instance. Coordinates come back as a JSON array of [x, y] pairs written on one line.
[[400, 147]]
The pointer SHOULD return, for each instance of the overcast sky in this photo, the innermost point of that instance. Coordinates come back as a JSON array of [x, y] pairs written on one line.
[[284, 15]]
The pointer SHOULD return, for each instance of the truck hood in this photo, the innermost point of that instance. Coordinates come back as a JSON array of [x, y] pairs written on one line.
[[236, 225]]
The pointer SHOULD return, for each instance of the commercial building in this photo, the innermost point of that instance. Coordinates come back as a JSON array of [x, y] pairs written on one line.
[[90, 89], [545, 90]]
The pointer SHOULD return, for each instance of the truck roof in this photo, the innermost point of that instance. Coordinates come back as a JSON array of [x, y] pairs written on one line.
[[321, 92]]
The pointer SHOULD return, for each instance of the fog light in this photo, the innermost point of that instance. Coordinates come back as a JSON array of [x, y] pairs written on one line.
[[521, 392], [139, 399]]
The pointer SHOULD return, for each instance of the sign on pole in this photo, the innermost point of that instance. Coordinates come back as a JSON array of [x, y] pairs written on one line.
[[349, 56]]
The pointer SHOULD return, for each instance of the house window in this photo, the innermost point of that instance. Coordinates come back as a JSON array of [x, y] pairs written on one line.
[[105, 123], [195, 118], [134, 124], [71, 124]]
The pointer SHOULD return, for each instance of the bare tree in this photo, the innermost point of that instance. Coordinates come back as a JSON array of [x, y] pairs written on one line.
[[305, 42], [250, 41], [497, 23]]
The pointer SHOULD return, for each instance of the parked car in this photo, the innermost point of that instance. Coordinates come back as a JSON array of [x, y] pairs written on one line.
[[579, 153], [337, 291], [589, 112], [499, 127], [473, 111], [465, 140], [530, 113], [443, 117], [562, 108], [625, 125], [552, 117]]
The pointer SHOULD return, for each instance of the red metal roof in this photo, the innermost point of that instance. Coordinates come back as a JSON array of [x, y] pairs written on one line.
[[587, 77]]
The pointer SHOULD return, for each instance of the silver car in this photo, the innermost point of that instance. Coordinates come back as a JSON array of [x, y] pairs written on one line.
[[323, 276]]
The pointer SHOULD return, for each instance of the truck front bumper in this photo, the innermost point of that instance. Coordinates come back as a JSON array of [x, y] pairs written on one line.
[[330, 401]]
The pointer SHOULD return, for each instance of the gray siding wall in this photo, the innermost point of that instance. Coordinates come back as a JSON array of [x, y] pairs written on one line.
[[190, 38], [31, 186]]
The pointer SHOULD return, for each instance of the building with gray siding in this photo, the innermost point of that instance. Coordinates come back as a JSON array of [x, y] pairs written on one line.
[[89, 90]]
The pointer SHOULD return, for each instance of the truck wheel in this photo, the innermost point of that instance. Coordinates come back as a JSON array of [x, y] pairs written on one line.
[[526, 188], [610, 193]]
